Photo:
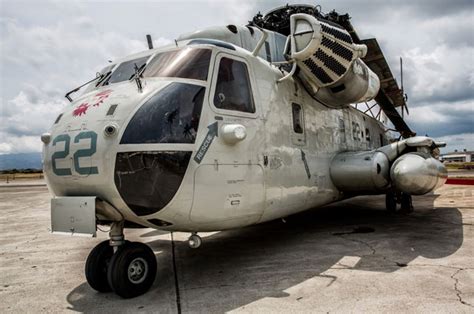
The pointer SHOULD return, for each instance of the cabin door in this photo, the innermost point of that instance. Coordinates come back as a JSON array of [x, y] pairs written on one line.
[[233, 182]]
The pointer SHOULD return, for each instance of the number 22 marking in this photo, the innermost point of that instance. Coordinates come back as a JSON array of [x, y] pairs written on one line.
[[87, 152]]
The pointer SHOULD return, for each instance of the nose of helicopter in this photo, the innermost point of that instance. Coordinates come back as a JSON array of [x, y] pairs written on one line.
[[78, 152], [125, 146]]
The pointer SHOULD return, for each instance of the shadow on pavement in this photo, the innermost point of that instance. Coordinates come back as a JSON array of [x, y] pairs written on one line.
[[234, 268]]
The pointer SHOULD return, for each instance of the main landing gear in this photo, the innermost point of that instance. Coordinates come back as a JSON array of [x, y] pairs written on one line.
[[127, 268], [194, 241], [393, 198]]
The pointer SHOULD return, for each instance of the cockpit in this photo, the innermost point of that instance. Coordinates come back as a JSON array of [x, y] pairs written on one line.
[[181, 63], [157, 103], [189, 78], [173, 113]]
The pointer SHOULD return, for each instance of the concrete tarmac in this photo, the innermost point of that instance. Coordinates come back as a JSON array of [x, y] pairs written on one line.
[[348, 257]]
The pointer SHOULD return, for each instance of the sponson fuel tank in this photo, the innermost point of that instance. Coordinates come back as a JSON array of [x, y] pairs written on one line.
[[360, 172], [417, 173], [372, 172]]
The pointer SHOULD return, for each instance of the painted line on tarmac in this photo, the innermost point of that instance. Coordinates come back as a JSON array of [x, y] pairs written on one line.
[[460, 181]]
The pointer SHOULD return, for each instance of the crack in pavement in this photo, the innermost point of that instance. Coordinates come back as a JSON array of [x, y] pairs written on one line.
[[360, 242], [453, 276], [456, 288], [175, 273]]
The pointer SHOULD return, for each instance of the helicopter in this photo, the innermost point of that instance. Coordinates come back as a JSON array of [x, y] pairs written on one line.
[[227, 127]]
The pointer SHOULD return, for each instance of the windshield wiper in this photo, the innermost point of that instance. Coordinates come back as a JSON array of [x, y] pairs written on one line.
[[78, 88], [137, 71], [137, 75]]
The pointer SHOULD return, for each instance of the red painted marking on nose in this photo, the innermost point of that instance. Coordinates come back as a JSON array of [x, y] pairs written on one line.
[[80, 110]]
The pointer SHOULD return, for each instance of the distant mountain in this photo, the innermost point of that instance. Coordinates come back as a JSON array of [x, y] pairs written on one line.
[[20, 161]]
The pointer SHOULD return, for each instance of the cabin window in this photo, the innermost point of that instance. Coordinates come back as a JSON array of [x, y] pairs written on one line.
[[342, 130], [280, 42], [297, 118], [367, 135], [190, 63], [233, 90], [356, 132], [125, 71], [267, 51], [171, 116]]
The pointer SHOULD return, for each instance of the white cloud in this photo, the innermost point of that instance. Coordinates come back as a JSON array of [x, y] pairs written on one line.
[[19, 144], [426, 114], [440, 74], [438, 112], [44, 62], [50, 47]]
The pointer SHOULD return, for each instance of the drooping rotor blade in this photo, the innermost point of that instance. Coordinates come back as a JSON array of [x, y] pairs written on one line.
[[397, 120], [390, 95]]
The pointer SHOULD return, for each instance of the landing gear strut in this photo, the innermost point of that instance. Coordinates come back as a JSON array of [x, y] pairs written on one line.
[[127, 268], [406, 203], [392, 198]]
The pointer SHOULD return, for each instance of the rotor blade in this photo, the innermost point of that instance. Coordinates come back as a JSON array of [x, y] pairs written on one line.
[[389, 109], [390, 96]]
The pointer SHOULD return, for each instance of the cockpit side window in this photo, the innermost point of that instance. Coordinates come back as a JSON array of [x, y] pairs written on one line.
[[188, 63], [125, 70], [233, 91], [170, 116]]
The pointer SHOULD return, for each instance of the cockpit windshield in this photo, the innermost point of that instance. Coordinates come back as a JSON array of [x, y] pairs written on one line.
[[188, 63], [171, 116], [125, 71]]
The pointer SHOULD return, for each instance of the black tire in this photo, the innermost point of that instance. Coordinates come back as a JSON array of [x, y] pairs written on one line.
[[406, 203], [96, 266], [391, 201], [124, 260]]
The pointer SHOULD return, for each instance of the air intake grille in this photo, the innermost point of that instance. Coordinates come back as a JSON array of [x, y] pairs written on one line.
[[336, 33], [330, 62], [327, 57], [318, 71], [337, 48]]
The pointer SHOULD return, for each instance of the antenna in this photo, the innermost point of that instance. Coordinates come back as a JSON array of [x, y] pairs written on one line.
[[405, 96], [401, 72], [150, 42]]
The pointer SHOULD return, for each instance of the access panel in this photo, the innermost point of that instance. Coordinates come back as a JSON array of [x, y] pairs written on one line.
[[224, 192]]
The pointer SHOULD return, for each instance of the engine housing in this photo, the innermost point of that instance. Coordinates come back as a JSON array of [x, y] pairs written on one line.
[[329, 62]]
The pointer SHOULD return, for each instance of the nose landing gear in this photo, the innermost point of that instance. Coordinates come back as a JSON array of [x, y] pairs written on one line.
[[127, 268], [132, 270], [96, 266]]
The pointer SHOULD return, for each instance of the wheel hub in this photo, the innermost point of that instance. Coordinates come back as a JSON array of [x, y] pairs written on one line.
[[137, 270]]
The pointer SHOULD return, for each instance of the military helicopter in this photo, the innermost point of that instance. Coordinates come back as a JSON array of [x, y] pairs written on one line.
[[228, 127]]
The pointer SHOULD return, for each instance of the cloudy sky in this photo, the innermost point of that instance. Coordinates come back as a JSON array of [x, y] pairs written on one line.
[[50, 47]]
